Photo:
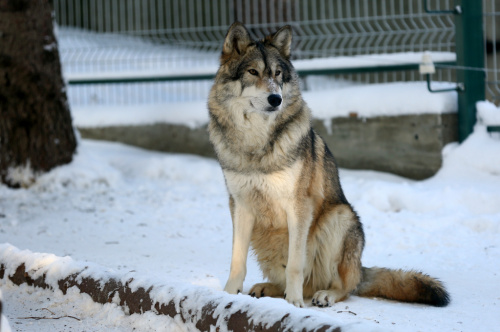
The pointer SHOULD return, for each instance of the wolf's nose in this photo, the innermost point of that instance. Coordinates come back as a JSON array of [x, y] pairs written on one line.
[[274, 100]]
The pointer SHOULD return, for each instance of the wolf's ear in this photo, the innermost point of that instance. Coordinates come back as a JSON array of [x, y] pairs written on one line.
[[282, 39], [237, 40]]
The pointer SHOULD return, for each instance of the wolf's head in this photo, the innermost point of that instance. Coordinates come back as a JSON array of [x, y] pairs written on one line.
[[256, 75]]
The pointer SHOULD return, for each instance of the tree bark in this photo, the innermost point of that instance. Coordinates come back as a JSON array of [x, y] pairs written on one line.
[[36, 133]]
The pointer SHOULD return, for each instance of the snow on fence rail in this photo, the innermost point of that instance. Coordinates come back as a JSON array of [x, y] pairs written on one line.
[[197, 307]]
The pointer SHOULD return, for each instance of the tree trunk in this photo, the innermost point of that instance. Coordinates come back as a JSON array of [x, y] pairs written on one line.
[[36, 133]]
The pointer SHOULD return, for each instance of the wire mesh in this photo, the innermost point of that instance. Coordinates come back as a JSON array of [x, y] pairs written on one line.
[[127, 36]]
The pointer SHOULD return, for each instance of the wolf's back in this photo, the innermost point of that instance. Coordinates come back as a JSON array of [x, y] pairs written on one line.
[[403, 286]]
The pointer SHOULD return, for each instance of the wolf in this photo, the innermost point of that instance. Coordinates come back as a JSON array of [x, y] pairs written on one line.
[[285, 196]]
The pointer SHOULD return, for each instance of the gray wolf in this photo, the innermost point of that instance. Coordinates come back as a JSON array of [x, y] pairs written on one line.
[[285, 196]]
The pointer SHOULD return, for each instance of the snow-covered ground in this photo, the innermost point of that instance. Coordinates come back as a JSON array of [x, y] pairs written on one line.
[[164, 218]]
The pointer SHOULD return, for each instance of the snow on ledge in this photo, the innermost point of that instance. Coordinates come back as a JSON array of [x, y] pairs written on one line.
[[199, 306], [488, 113], [389, 99], [191, 114]]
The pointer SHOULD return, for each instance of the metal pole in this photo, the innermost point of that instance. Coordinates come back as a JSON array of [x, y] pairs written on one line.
[[470, 53]]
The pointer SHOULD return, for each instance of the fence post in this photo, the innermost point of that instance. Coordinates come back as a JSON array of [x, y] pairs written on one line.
[[470, 53]]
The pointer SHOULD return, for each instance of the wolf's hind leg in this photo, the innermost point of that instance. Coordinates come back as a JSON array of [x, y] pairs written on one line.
[[327, 297], [266, 289], [349, 270]]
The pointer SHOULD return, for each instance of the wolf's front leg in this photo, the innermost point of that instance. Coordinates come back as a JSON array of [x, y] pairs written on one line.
[[298, 230], [243, 222]]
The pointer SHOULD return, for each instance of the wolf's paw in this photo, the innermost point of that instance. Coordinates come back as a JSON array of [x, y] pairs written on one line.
[[233, 287], [295, 298], [265, 289], [298, 302], [325, 298]]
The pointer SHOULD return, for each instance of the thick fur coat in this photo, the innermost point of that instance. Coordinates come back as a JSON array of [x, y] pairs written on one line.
[[285, 197]]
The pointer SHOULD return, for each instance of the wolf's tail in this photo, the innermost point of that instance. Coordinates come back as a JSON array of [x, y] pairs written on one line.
[[403, 286]]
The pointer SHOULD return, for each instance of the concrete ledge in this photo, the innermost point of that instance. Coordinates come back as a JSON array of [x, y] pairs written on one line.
[[160, 137], [407, 145]]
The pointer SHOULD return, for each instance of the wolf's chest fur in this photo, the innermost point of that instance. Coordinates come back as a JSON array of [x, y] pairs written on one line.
[[279, 184], [251, 130], [257, 189]]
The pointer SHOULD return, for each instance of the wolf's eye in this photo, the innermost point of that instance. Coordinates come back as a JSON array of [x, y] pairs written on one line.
[[253, 72], [277, 73]]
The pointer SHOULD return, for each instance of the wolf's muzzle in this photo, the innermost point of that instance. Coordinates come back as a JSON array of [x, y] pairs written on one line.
[[274, 100]]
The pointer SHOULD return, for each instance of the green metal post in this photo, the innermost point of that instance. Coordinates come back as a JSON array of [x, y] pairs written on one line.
[[470, 54]]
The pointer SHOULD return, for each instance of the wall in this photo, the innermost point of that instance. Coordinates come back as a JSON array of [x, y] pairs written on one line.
[[407, 145]]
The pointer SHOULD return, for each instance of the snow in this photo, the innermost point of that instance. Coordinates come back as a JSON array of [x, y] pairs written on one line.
[[164, 219], [387, 99], [488, 113], [192, 114], [4, 323], [22, 175], [27, 302]]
